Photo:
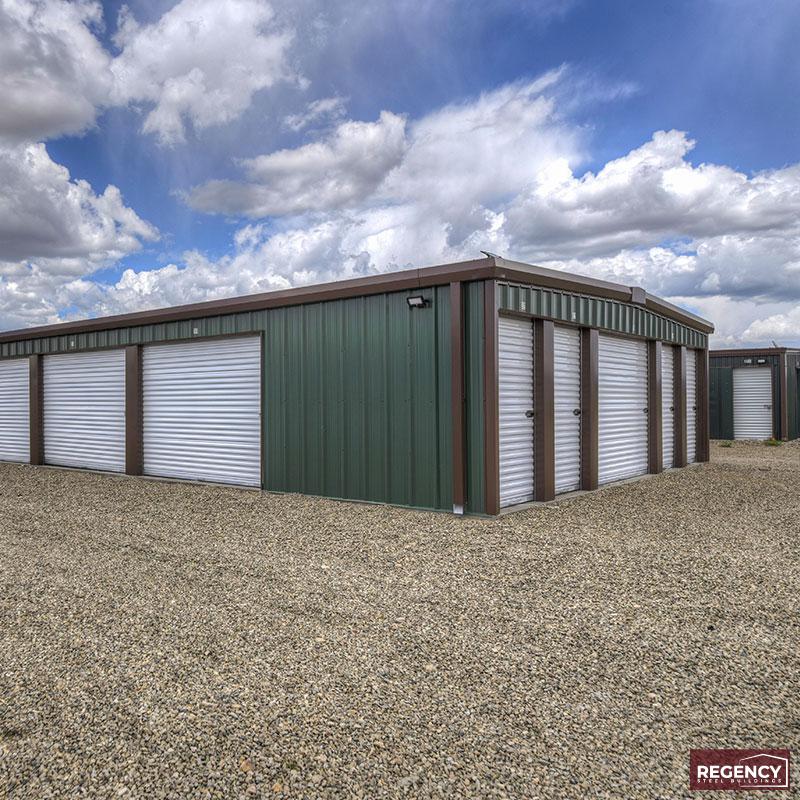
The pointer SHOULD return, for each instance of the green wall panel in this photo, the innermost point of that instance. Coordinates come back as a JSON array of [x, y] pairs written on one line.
[[357, 400], [474, 405], [721, 402]]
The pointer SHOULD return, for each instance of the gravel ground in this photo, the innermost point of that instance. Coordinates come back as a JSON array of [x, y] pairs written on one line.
[[170, 640]]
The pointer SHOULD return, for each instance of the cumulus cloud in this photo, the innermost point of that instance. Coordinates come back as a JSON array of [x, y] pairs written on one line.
[[201, 63], [54, 231], [651, 193], [54, 73], [327, 175], [780, 328], [46, 214]]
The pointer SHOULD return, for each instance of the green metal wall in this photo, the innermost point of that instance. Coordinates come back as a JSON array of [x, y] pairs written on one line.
[[474, 390], [595, 312], [793, 393], [721, 415], [720, 398], [358, 400]]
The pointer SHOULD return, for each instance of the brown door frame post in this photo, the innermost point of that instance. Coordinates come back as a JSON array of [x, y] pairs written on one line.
[[491, 415], [655, 430], [783, 433], [134, 452], [544, 439], [703, 418], [680, 406], [36, 409], [590, 344], [457, 394]]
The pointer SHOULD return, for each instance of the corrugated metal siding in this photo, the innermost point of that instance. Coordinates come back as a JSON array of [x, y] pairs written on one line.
[[14, 410], [515, 373], [752, 403], [202, 410], [357, 396], [622, 401], [668, 405], [474, 400], [793, 392], [567, 388], [721, 402], [691, 406], [594, 312], [84, 410]]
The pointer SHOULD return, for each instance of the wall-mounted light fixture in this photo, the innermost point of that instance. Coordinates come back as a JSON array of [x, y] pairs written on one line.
[[761, 361], [417, 301]]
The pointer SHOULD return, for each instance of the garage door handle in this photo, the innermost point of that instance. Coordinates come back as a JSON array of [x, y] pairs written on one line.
[[672, 408], [644, 410], [529, 414], [576, 412]]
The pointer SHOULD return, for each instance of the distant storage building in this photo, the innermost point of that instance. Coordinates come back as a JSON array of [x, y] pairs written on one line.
[[473, 387], [755, 394]]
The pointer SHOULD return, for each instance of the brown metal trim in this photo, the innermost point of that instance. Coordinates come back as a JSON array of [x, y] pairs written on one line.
[[544, 440], [457, 394], [134, 451], [590, 410], [655, 412], [755, 351], [489, 269], [703, 420], [680, 407], [491, 423], [36, 409], [784, 388]]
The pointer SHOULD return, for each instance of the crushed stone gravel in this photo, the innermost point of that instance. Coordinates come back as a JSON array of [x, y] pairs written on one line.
[[167, 640]]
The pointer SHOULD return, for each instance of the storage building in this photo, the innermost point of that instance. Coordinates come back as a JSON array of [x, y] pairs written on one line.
[[755, 394], [473, 387]]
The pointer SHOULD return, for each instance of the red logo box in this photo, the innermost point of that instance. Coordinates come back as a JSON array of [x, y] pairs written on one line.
[[739, 770]]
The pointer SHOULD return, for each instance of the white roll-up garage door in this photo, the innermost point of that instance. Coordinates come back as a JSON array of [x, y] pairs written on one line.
[[668, 405], [622, 400], [14, 410], [691, 406], [84, 410], [515, 339], [567, 387], [202, 410], [752, 403]]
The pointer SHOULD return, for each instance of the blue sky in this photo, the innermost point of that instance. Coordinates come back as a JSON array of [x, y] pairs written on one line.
[[257, 145]]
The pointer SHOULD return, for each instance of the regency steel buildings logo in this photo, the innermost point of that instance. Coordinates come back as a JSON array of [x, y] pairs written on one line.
[[739, 769]]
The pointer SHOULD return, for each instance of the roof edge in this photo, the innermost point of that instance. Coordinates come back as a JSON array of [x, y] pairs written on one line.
[[753, 351], [488, 268]]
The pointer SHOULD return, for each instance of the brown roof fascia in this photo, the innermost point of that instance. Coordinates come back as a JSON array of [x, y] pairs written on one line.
[[489, 268], [751, 351]]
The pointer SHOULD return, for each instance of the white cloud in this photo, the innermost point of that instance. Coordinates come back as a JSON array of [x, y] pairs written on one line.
[[46, 214], [648, 195], [53, 231], [327, 175], [201, 62], [780, 328], [54, 73]]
